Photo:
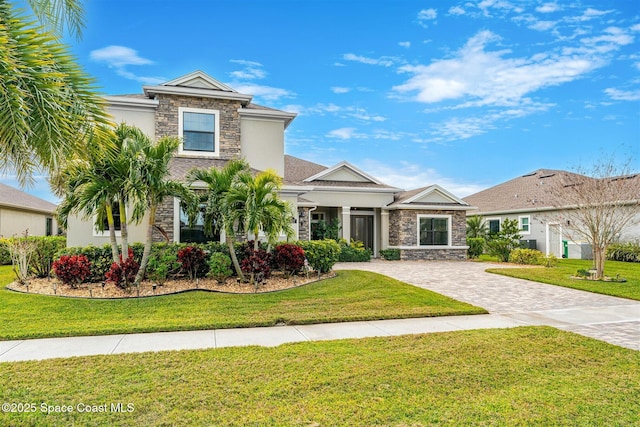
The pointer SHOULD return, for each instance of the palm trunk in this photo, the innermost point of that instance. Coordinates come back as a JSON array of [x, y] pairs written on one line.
[[234, 258], [256, 243], [124, 234], [147, 246], [112, 235]]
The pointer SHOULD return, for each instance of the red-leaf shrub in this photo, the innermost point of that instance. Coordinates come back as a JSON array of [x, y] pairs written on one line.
[[192, 261], [72, 270], [124, 273], [289, 258], [257, 264]]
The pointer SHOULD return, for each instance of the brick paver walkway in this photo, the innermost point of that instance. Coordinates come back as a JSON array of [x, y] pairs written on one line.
[[611, 319]]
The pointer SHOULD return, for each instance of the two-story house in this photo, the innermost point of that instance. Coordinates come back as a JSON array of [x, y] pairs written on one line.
[[217, 123]]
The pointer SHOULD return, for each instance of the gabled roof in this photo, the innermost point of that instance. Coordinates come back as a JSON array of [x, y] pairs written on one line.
[[343, 171], [13, 198], [527, 192], [302, 172], [432, 196], [199, 84]]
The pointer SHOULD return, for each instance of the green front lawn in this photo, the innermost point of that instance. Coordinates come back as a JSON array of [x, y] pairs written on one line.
[[351, 296], [522, 376], [561, 276]]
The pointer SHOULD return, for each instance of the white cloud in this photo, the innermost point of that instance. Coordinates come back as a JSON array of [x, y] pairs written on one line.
[[268, 93], [340, 89], [548, 8], [623, 95], [119, 57], [404, 44], [635, 27], [407, 175], [427, 14], [543, 25], [480, 76], [384, 61], [343, 133], [456, 10], [252, 70], [591, 13]]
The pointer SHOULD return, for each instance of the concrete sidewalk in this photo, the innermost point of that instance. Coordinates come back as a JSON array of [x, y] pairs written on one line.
[[511, 302], [48, 348]]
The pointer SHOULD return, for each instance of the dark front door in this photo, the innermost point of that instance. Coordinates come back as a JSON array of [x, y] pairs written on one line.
[[362, 229]]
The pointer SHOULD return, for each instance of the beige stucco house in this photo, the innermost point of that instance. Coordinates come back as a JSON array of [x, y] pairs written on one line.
[[20, 212], [217, 123]]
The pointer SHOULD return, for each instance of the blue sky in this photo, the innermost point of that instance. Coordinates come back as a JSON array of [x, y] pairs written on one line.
[[463, 94]]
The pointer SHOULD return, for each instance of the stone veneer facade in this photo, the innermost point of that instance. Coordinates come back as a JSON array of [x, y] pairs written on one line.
[[304, 230], [403, 233], [167, 125], [229, 119]]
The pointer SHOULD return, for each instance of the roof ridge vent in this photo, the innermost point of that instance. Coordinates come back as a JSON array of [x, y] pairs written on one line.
[[548, 175]]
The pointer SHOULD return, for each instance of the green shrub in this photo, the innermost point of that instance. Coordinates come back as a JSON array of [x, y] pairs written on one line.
[[526, 256], [163, 263], [390, 254], [626, 252], [503, 242], [476, 246], [5, 256], [353, 251], [582, 273], [321, 254], [46, 248], [219, 266]]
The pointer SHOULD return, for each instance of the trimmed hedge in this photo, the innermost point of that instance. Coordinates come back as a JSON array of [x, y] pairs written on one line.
[[321, 254], [45, 253], [353, 252], [390, 254]]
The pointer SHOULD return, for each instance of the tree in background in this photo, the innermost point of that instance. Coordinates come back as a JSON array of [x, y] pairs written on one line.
[[598, 204], [504, 241], [48, 107], [476, 227]]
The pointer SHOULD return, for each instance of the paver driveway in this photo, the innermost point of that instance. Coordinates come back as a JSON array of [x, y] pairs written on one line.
[[611, 319]]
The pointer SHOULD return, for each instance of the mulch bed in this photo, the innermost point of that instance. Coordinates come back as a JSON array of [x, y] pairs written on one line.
[[53, 286]]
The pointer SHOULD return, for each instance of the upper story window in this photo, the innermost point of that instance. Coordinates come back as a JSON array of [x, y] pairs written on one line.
[[433, 230], [200, 131]]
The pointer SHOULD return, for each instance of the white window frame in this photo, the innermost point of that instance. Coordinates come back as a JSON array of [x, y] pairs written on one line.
[[528, 218], [216, 136], [449, 231]]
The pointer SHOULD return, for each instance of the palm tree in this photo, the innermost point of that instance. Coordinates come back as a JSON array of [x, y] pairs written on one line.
[[476, 227], [218, 212], [108, 177], [257, 205], [48, 107], [155, 184]]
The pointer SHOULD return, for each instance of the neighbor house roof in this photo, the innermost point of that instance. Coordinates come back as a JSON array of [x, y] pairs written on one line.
[[527, 192], [14, 198]]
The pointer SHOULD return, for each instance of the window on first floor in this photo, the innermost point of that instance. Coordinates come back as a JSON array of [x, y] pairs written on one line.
[[195, 232], [115, 209], [199, 130], [525, 226], [494, 226], [48, 229], [434, 230]]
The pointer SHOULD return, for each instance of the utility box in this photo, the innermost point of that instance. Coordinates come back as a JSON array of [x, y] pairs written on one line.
[[528, 244], [579, 250]]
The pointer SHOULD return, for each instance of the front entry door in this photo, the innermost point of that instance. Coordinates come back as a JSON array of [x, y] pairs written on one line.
[[362, 229]]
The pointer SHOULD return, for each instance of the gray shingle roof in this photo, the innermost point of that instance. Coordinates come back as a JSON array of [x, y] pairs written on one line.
[[530, 191], [12, 197]]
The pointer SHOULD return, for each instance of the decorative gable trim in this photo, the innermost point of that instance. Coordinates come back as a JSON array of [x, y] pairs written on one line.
[[199, 79], [434, 194], [347, 167], [197, 84]]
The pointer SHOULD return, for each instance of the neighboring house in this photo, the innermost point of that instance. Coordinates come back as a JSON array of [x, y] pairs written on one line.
[[20, 212], [217, 123], [528, 200]]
